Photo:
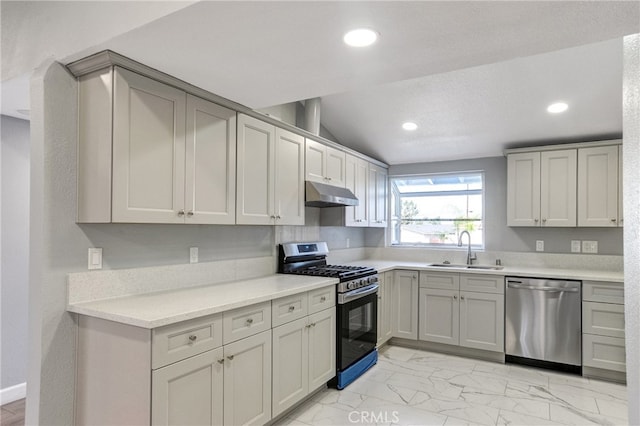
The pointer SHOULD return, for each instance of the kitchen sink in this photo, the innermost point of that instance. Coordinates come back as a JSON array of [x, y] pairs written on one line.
[[462, 266]]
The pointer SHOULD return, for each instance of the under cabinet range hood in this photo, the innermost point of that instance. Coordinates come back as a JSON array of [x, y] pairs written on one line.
[[322, 195]]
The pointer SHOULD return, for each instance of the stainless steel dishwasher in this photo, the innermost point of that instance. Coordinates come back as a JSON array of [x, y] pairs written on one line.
[[543, 323]]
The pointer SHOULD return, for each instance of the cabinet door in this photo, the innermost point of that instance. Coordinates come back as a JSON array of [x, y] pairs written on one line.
[[523, 189], [439, 316], [598, 186], [289, 179], [315, 161], [620, 189], [357, 176], [290, 364], [210, 185], [335, 167], [189, 392], [377, 196], [322, 348], [255, 174], [247, 380], [558, 170], [148, 150], [482, 321], [387, 299], [381, 299], [405, 304]]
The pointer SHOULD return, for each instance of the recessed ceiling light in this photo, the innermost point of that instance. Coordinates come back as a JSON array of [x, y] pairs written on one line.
[[557, 107], [360, 37], [409, 126]]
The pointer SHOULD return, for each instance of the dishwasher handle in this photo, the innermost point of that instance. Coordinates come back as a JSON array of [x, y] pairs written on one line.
[[513, 284]]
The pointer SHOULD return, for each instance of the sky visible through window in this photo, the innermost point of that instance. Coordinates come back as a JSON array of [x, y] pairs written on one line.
[[435, 209]]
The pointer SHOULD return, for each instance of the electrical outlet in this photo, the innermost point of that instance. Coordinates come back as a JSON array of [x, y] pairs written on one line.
[[575, 246], [590, 247], [193, 255], [539, 245], [95, 258]]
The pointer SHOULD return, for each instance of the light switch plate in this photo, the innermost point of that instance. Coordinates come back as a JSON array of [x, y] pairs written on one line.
[[95, 258], [193, 254], [575, 246], [539, 245], [590, 247]]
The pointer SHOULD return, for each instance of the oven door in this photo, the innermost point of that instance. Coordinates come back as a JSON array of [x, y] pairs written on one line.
[[357, 325]]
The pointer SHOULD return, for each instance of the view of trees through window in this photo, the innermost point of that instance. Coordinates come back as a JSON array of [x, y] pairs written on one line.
[[435, 209]]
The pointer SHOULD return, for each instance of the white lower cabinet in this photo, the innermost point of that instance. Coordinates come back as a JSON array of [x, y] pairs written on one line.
[[303, 358], [405, 304], [189, 392], [385, 303], [472, 319]]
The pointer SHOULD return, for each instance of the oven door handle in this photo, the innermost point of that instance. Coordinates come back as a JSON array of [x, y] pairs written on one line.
[[357, 294]]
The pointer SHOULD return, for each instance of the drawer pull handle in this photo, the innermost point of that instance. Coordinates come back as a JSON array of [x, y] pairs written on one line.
[[313, 324], [323, 299], [230, 357], [221, 361], [292, 308], [249, 321], [193, 337]]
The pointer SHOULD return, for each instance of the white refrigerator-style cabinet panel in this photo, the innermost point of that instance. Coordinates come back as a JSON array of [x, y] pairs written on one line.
[[247, 380], [558, 185], [210, 194], [598, 186], [405, 304], [289, 179], [357, 171], [255, 183], [523, 189], [148, 150], [189, 392]]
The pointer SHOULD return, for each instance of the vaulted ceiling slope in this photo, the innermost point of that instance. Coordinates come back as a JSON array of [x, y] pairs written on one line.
[[468, 70]]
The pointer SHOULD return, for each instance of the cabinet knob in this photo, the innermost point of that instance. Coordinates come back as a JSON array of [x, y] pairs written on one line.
[[313, 324], [415, 277], [278, 217], [272, 216], [230, 357], [535, 220], [193, 337], [180, 212], [220, 361], [461, 297], [328, 178], [544, 220], [455, 297], [189, 213], [249, 321], [613, 220], [292, 308], [322, 299]]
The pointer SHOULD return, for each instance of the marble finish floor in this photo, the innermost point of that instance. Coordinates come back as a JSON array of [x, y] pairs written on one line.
[[414, 387]]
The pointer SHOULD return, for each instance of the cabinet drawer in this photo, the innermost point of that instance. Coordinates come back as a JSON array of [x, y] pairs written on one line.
[[244, 322], [175, 342], [288, 308], [598, 291], [604, 319], [603, 352], [444, 281], [482, 283], [322, 299]]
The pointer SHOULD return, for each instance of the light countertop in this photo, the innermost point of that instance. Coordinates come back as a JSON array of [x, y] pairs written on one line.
[[156, 309]]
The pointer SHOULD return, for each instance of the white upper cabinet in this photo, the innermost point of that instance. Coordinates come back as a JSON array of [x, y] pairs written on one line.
[[620, 188], [270, 184], [541, 188], [357, 180], [377, 199], [598, 186], [325, 164], [161, 156]]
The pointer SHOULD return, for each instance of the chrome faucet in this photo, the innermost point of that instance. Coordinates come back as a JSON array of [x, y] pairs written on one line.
[[470, 255]]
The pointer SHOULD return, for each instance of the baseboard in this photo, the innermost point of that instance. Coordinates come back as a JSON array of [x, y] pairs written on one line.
[[13, 393]]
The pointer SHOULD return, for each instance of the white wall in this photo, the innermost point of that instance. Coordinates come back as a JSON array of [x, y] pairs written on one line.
[[15, 250], [631, 147], [500, 237]]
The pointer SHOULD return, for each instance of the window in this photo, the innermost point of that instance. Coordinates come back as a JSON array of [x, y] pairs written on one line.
[[434, 209]]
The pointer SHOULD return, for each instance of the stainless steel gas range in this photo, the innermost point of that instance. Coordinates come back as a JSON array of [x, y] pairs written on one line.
[[356, 310]]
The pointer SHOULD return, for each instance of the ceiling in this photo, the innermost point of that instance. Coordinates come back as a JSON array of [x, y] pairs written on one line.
[[475, 76]]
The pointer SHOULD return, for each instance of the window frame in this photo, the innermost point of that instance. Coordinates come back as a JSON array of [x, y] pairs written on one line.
[[395, 209]]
